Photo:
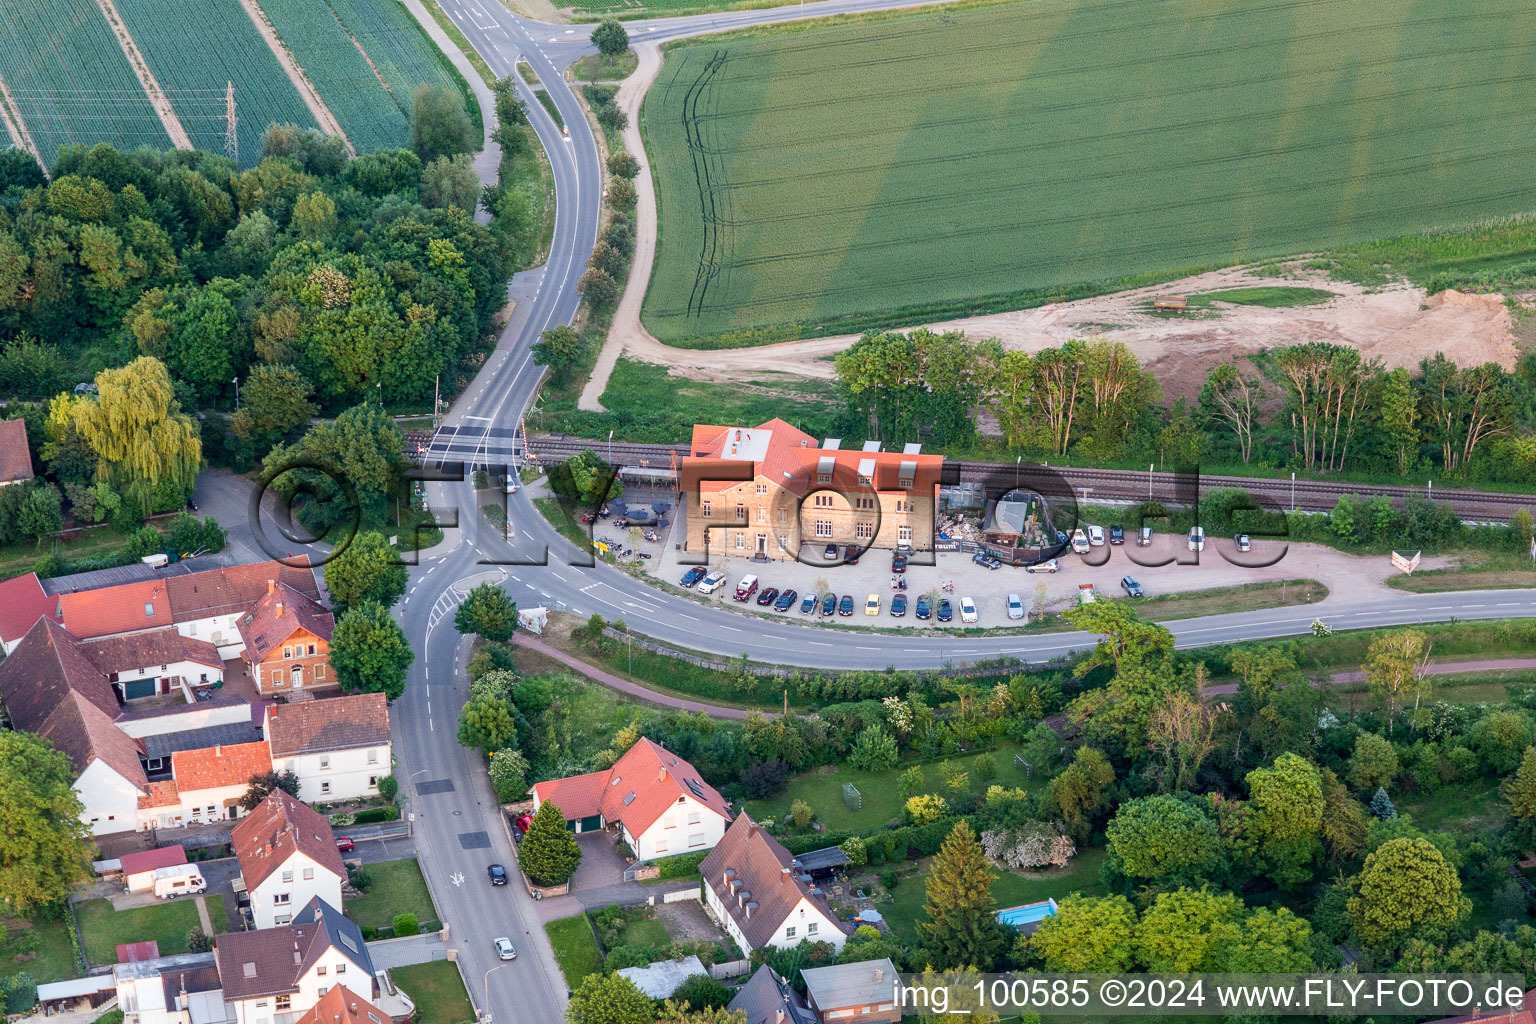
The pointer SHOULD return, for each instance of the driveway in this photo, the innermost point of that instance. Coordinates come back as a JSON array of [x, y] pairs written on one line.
[[601, 865]]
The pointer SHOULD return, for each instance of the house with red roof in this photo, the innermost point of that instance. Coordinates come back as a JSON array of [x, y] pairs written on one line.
[[287, 641], [338, 747], [22, 603], [15, 454], [210, 782], [288, 856], [139, 867], [761, 492], [756, 890], [658, 802]]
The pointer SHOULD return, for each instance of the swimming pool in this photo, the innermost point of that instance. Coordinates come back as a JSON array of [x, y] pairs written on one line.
[[1027, 916]]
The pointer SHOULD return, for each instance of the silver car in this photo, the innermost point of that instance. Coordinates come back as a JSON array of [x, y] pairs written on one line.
[[1015, 607], [505, 949]]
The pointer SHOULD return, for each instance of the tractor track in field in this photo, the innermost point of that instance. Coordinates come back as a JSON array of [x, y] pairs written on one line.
[[709, 210]]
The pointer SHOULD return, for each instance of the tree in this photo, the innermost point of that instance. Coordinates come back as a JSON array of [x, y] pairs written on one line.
[[1501, 738], [450, 181], [1374, 762], [1265, 941], [1183, 931], [608, 999], [1345, 826], [488, 612], [136, 428], [1405, 889], [1141, 656], [265, 784], [962, 928], [1394, 670], [41, 514], [1287, 803], [1463, 407], [1381, 805], [197, 940], [701, 992], [1160, 837], [549, 852], [405, 924], [801, 814], [874, 750], [388, 788], [925, 808], [45, 847], [1235, 400], [439, 125], [1081, 788], [911, 782], [509, 775], [1088, 934], [1519, 790], [369, 651], [610, 38], [1183, 730], [560, 348], [1399, 418], [672, 1010], [275, 403], [361, 448], [486, 722], [1030, 846], [585, 478], [1327, 387], [856, 850], [367, 569]]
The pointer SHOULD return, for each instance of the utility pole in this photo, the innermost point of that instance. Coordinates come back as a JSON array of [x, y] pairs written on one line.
[[437, 392], [231, 138]]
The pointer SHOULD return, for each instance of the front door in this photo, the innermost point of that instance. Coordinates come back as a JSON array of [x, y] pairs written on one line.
[[296, 677], [762, 544]]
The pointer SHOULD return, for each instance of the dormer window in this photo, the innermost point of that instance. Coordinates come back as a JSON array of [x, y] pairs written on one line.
[[149, 610]]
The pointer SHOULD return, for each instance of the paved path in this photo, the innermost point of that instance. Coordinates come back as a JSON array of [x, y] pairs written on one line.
[[624, 685], [202, 916], [414, 949]]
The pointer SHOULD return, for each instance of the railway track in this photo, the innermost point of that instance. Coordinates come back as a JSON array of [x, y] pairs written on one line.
[[1111, 485]]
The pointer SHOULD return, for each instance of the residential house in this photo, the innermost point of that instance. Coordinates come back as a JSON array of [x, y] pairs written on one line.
[[338, 747], [171, 990], [752, 887], [343, 1006], [760, 492], [22, 602], [287, 639], [208, 783], [858, 993], [271, 973], [15, 455], [767, 998], [659, 802], [288, 857]]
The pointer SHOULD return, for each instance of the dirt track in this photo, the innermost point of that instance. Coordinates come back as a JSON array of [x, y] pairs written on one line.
[[1400, 324]]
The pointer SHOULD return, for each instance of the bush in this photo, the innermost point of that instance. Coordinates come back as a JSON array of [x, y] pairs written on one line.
[[361, 880], [702, 992], [801, 814], [856, 851], [682, 866], [406, 924], [197, 942], [889, 879], [389, 788], [373, 815]]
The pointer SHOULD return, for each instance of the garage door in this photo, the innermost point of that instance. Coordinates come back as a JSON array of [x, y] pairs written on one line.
[[139, 688], [592, 823]]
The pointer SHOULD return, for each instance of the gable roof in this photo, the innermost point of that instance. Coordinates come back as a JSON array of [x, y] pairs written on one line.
[[334, 723], [213, 767], [235, 588], [765, 994], [750, 868], [792, 459], [279, 613], [280, 826], [163, 646], [637, 790], [121, 609], [22, 602], [149, 860], [270, 961], [15, 456], [81, 730], [838, 986], [340, 1005]]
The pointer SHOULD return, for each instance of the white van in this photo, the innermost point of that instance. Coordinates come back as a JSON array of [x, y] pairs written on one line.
[[179, 880]]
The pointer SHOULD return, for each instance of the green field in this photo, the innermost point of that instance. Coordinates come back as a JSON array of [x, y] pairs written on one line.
[[822, 178]]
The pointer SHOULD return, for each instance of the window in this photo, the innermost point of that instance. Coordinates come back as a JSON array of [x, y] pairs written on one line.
[[822, 501], [661, 846], [810, 929], [823, 478], [341, 968], [287, 877], [373, 757], [149, 610], [903, 506], [693, 817], [309, 874], [281, 899], [696, 840], [741, 513], [823, 528], [789, 932], [288, 653], [762, 514], [905, 483], [706, 510], [864, 503], [325, 787], [762, 488], [864, 531], [325, 762], [373, 782], [320, 970], [285, 1002], [904, 534], [320, 671], [781, 514], [322, 990], [311, 650]]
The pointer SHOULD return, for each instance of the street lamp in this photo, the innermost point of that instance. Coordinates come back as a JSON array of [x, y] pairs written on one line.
[[237, 394], [487, 985], [1293, 493], [1149, 480], [1016, 471]]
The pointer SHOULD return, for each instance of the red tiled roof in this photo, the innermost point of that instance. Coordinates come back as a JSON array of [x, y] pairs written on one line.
[[152, 647], [132, 952], [213, 767], [22, 603], [763, 868], [791, 458], [341, 1005], [280, 613], [120, 609], [161, 794], [15, 457], [81, 730], [335, 723], [45, 666], [235, 588], [637, 790], [281, 825], [149, 860]]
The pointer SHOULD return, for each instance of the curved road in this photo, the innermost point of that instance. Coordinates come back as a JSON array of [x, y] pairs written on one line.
[[456, 821]]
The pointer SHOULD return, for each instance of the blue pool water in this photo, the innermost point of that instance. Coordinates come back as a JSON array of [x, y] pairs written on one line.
[[1034, 913]]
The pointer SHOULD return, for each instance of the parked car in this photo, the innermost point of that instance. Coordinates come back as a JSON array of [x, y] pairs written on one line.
[[1130, 586], [898, 563], [1015, 607], [829, 604], [851, 554], [845, 606], [767, 595], [345, 844], [967, 610], [498, 874], [924, 609], [1197, 538], [1049, 565], [808, 605], [692, 576], [946, 612], [504, 948], [1244, 542], [982, 558], [520, 824], [899, 605], [1080, 543], [1116, 534], [1096, 536], [829, 552], [747, 587], [711, 583], [785, 602], [1144, 536]]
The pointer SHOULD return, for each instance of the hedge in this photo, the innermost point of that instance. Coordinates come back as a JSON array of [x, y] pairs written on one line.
[[884, 844], [373, 815], [684, 865]]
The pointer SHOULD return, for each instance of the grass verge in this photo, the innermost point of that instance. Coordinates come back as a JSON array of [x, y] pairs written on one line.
[[594, 67], [438, 991], [103, 929], [470, 53], [575, 948], [1221, 600], [397, 888], [1272, 297], [548, 103]]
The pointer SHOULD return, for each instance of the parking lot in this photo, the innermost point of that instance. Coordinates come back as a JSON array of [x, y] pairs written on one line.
[[1103, 567]]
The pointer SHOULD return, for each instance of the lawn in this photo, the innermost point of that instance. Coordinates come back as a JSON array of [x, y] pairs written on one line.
[[41, 948], [1010, 890], [438, 991], [575, 948], [397, 888], [1273, 297], [103, 929], [1220, 600], [996, 156], [880, 791]]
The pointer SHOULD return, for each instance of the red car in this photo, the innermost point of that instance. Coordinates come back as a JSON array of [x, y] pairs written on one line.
[[345, 845]]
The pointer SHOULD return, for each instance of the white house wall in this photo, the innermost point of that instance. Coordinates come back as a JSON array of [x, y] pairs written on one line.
[[111, 802], [338, 774], [196, 716], [275, 900], [223, 631], [686, 827]]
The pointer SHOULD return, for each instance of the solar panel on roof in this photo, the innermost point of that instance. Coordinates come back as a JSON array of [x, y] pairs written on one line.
[[698, 790]]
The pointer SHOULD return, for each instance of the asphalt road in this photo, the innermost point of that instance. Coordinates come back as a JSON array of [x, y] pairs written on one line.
[[456, 827]]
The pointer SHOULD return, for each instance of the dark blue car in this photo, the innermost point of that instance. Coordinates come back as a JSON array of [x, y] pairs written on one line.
[[785, 601], [692, 576], [924, 609], [945, 612], [899, 605], [829, 604]]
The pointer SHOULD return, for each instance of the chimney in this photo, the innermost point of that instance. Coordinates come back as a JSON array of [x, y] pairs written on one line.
[[751, 828], [271, 586], [783, 874], [778, 1017], [216, 748], [279, 608], [662, 774], [879, 973]]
